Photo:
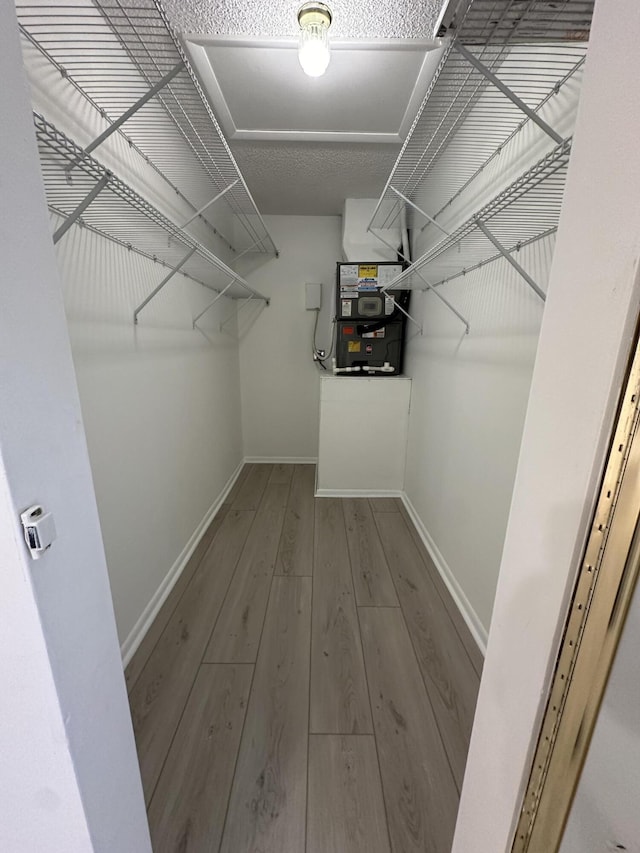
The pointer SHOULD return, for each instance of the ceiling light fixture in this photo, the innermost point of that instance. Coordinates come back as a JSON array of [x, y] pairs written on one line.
[[314, 20]]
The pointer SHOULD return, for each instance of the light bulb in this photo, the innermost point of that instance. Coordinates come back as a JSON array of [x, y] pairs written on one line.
[[313, 54], [315, 20]]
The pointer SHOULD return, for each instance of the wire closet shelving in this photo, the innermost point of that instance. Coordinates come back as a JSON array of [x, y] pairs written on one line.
[[503, 62], [115, 210], [128, 65]]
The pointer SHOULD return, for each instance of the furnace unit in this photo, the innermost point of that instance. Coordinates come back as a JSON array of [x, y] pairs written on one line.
[[370, 327]]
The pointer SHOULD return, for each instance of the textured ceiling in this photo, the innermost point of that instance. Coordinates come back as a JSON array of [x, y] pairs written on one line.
[[309, 178], [351, 18]]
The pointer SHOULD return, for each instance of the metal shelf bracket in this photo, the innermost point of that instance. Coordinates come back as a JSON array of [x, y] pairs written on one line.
[[248, 249], [80, 209], [428, 286], [507, 255], [209, 203], [211, 304], [402, 311], [420, 211], [131, 111], [491, 77], [157, 289], [237, 310], [384, 289]]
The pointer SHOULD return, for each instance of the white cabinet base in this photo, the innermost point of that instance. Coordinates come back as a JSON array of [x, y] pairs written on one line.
[[363, 435]]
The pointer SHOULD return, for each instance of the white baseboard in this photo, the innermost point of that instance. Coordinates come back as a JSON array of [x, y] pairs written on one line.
[[358, 493], [136, 635], [469, 615], [283, 460]]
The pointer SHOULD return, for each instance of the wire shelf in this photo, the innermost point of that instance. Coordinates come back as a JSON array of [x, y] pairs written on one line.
[[464, 121], [113, 54], [527, 210], [482, 21], [118, 212]]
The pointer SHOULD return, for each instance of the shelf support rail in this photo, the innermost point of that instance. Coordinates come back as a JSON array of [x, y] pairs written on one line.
[[157, 289], [131, 111], [401, 309], [80, 209], [420, 211], [491, 77], [211, 304], [509, 257], [428, 286], [209, 203]]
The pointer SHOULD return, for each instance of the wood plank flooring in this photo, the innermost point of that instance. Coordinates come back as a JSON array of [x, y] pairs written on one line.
[[346, 808], [268, 798], [187, 812], [339, 698], [308, 686]]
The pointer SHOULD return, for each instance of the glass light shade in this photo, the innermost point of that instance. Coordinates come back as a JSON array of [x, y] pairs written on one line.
[[313, 53]]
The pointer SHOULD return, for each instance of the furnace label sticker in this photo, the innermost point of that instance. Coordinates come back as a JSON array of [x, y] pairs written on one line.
[[368, 272], [379, 333], [353, 346], [346, 307], [386, 274], [348, 274]]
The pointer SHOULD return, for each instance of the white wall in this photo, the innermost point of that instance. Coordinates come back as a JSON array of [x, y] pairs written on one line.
[[584, 342], [161, 405], [470, 391], [469, 400], [605, 810], [280, 383], [160, 400], [68, 777]]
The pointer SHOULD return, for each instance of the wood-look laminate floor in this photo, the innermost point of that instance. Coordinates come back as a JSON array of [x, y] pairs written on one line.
[[308, 686]]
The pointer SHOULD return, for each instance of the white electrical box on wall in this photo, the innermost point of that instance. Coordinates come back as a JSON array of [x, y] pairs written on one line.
[[313, 297]]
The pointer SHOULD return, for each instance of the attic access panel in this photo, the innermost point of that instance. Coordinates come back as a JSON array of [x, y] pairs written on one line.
[[370, 92]]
